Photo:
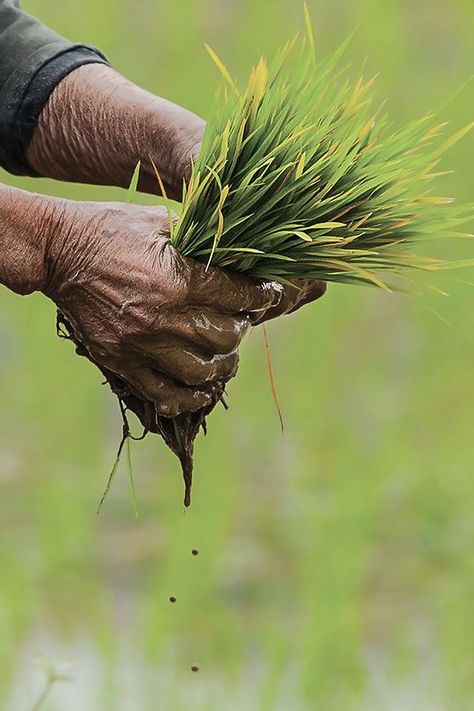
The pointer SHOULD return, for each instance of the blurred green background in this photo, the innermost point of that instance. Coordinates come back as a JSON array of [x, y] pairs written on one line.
[[336, 566]]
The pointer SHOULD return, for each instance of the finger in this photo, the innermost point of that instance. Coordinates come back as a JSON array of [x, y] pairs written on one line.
[[230, 292], [183, 362], [206, 329], [170, 398], [313, 291], [294, 297]]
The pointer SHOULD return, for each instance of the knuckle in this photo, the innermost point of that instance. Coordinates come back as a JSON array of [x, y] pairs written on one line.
[[182, 400], [264, 295], [199, 398], [242, 328], [224, 367], [231, 366], [167, 408]]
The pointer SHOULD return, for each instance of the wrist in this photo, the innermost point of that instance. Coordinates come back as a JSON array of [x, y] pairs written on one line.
[[27, 224]]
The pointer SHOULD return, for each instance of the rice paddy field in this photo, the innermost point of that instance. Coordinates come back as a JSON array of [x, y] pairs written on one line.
[[336, 567]]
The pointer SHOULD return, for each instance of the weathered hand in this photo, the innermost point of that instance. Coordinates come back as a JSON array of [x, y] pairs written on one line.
[[158, 320], [97, 125]]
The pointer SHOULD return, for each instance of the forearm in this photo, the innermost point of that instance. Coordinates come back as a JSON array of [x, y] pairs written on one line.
[[33, 61], [26, 223], [97, 125]]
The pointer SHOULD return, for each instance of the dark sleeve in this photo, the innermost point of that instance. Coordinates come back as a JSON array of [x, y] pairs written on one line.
[[33, 60]]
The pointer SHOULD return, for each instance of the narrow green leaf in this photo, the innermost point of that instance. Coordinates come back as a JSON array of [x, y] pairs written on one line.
[[222, 68], [134, 183]]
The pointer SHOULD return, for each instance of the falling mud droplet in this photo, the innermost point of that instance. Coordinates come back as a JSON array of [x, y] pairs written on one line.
[[195, 551], [195, 668], [172, 598]]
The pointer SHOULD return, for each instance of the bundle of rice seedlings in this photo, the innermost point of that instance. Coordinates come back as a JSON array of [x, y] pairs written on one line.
[[300, 178]]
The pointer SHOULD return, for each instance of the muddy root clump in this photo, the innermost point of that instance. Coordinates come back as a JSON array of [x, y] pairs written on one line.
[[179, 433]]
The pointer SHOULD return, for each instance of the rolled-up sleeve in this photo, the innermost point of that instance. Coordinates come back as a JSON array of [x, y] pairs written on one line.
[[33, 60]]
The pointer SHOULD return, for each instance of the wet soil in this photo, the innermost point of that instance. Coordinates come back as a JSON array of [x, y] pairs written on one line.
[[179, 433]]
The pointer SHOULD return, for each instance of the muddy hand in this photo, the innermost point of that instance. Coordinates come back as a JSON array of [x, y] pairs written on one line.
[[161, 322]]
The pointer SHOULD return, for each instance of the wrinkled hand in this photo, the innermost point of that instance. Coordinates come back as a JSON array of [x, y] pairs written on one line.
[[158, 320], [96, 126]]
